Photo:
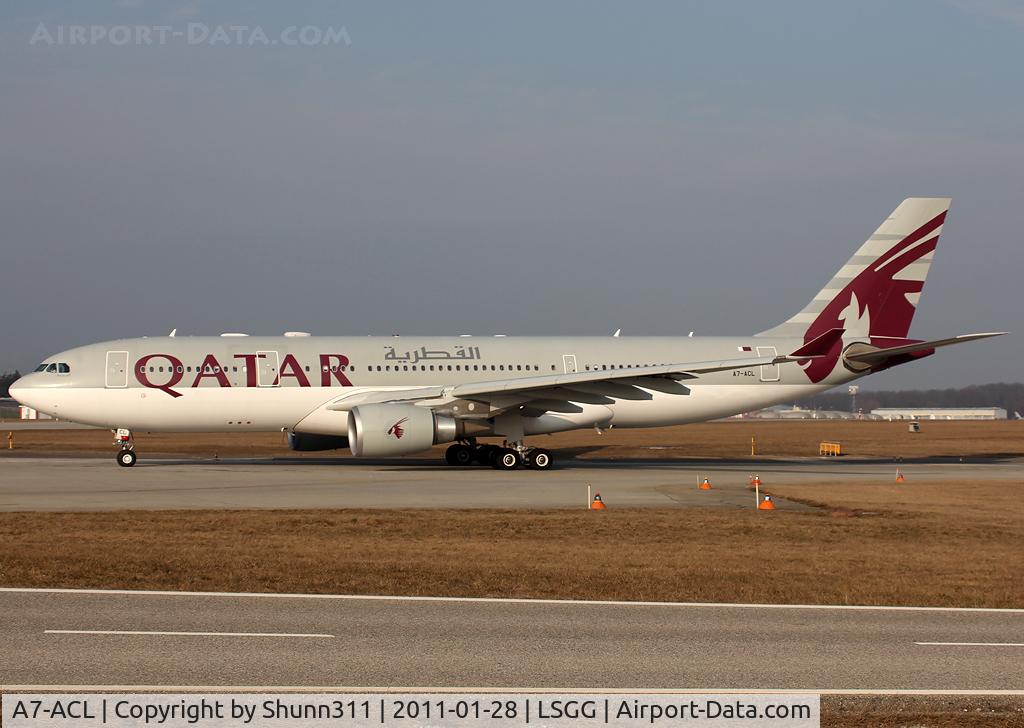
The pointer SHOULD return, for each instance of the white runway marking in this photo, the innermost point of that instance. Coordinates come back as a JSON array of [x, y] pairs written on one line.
[[971, 644], [180, 634], [505, 600]]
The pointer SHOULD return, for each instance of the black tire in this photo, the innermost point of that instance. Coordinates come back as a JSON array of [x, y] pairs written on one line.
[[506, 459], [458, 454], [485, 454], [539, 459], [126, 458]]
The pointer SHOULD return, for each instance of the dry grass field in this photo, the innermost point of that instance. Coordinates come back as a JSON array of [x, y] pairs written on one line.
[[964, 543], [915, 711], [704, 440]]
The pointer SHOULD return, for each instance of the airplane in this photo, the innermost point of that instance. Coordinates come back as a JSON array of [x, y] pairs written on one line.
[[397, 395]]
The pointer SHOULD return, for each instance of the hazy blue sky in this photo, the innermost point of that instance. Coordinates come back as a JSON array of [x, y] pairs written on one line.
[[519, 168]]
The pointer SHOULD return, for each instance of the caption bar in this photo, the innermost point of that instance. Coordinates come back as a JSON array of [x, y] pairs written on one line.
[[366, 710]]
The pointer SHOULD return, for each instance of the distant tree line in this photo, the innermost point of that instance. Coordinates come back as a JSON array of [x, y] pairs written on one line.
[[6, 380], [1009, 396]]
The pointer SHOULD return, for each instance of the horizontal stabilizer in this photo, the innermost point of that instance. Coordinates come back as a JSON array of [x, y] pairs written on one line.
[[876, 356], [819, 345]]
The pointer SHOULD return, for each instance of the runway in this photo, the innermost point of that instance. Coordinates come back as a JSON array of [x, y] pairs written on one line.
[[98, 484], [54, 638]]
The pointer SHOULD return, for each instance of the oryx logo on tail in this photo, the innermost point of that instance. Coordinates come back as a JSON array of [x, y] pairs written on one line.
[[875, 295]]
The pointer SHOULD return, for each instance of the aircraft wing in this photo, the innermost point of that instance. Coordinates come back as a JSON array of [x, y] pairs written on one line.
[[556, 392]]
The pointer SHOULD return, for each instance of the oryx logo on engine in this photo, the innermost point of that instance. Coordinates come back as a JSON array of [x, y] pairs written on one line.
[[396, 430]]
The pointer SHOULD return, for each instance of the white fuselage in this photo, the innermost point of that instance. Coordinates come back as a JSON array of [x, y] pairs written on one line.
[[301, 383]]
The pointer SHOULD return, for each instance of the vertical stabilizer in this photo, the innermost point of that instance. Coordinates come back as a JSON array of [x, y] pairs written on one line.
[[876, 293]]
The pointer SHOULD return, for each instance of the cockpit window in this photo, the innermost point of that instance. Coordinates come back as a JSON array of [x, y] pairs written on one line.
[[51, 368], [41, 367], [63, 368]]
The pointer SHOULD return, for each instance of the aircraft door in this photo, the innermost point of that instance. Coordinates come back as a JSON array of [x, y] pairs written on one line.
[[267, 375], [117, 369], [569, 363], [769, 372]]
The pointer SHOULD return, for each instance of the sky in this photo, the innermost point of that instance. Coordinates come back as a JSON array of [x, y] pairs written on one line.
[[526, 168]]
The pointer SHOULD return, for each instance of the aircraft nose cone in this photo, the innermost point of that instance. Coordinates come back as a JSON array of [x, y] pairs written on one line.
[[18, 390]]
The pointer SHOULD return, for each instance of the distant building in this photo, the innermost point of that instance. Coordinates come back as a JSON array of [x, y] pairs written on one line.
[[27, 413], [793, 412], [940, 413]]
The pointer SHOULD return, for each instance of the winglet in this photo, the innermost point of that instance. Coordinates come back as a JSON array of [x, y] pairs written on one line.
[[819, 345]]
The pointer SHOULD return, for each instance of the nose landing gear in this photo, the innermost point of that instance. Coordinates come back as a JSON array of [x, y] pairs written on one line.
[[125, 443]]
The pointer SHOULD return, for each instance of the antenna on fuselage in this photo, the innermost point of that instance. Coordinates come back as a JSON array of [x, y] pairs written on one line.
[[173, 332], [617, 332]]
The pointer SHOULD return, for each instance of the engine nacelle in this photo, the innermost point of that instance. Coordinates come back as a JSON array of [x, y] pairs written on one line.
[[379, 430], [307, 442]]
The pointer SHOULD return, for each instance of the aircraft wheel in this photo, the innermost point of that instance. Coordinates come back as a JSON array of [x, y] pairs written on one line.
[[539, 459], [485, 454], [458, 454], [507, 459], [126, 458]]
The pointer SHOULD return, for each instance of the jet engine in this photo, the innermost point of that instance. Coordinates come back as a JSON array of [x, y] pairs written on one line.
[[379, 430], [308, 442]]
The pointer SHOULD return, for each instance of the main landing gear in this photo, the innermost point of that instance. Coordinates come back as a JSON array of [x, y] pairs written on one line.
[[126, 448], [499, 457]]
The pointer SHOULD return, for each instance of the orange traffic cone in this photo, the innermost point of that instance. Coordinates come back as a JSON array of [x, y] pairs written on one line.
[[755, 481], [705, 484], [899, 476], [766, 504], [598, 504]]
